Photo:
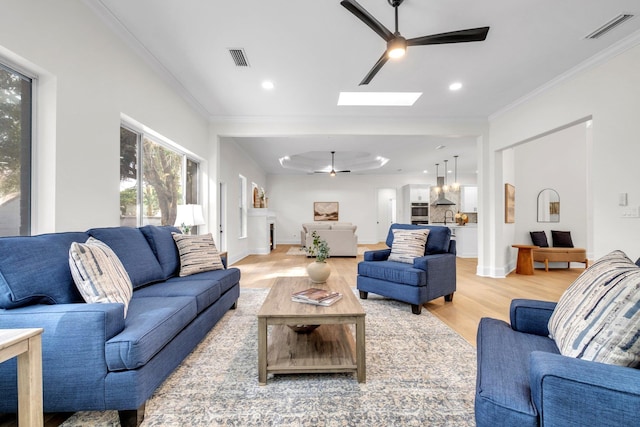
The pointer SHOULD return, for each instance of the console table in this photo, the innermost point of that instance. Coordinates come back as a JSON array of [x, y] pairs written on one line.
[[26, 344]]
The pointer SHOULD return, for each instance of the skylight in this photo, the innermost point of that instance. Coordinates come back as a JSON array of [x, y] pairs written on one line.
[[372, 99]]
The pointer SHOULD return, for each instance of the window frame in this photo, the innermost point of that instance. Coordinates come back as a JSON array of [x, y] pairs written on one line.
[[242, 204], [143, 132], [27, 144]]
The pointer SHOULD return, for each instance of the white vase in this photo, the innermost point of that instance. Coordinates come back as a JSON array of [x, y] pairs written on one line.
[[318, 272]]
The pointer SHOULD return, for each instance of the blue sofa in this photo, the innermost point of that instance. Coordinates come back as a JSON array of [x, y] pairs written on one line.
[[429, 277], [94, 358], [522, 380]]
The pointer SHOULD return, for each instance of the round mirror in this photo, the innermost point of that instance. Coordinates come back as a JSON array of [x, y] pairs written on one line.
[[548, 206]]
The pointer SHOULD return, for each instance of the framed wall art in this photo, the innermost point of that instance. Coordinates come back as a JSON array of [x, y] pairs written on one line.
[[325, 211], [509, 204]]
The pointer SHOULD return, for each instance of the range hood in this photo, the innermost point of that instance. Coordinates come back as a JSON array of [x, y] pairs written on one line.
[[441, 200]]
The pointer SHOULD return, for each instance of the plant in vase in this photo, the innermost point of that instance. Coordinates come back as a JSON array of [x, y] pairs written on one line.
[[318, 270]]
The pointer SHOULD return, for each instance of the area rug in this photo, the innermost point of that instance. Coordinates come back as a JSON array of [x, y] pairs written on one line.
[[299, 250], [419, 372]]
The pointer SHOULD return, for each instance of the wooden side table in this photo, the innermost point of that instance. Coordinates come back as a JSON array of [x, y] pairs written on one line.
[[26, 344], [525, 259]]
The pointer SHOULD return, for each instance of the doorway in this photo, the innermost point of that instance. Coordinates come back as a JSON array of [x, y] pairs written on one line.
[[386, 201], [222, 216]]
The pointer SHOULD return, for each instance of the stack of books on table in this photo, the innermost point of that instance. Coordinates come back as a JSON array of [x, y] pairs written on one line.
[[316, 296]]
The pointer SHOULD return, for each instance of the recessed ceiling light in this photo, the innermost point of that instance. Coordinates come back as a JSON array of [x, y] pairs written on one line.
[[455, 86], [393, 99], [268, 85]]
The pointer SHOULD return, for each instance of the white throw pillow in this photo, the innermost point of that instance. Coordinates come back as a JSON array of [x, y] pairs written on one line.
[[99, 274], [408, 244], [598, 316], [197, 253]]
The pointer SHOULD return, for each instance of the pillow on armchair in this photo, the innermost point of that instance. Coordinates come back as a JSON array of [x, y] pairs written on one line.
[[561, 239], [539, 238], [408, 244]]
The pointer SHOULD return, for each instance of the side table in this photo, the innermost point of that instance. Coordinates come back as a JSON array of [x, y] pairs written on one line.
[[26, 344], [525, 259]]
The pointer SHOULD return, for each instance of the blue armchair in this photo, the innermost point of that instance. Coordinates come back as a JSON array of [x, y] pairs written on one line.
[[522, 380], [429, 277]]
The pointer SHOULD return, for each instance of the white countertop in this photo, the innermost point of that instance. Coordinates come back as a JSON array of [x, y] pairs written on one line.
[[454, 225]]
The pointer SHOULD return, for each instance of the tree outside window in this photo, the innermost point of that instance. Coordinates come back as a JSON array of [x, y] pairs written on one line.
[[151, 191], [15, 153]]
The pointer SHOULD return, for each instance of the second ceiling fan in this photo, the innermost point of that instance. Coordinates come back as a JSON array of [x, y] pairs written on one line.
[[333, 170], [397, 44]]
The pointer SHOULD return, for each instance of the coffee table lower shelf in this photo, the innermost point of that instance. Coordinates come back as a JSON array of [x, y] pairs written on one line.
[[328, 349]]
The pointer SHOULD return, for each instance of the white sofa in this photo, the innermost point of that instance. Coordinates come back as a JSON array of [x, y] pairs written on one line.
[[340, 236]]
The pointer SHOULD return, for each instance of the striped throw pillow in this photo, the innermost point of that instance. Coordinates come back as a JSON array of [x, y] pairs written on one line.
[[98, 273], [598, 316], [408, 244], [197, 253]]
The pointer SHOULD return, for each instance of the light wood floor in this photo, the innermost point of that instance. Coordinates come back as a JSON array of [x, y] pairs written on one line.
[[476, 296]]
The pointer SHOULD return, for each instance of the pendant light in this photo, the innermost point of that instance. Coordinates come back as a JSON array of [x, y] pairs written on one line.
[[456, 184], [445, 187], [437, 176]]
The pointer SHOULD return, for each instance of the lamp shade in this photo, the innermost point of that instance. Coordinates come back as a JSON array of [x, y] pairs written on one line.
[[189, 215]]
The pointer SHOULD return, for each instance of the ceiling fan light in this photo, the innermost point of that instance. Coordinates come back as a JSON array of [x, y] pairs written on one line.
[[397, 47], [332, 173]]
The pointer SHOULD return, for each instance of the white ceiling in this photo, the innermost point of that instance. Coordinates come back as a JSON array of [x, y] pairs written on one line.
[[313, 49]]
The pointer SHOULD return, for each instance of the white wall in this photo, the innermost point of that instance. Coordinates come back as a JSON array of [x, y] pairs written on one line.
[[292, 198], [235, 162], [89, 78], [609, 94], [556, 161]]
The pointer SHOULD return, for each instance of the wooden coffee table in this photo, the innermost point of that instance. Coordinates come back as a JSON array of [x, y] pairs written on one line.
[[329, 348]]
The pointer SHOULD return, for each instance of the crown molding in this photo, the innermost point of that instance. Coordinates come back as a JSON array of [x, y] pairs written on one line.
[[113, 23], [598, 59]]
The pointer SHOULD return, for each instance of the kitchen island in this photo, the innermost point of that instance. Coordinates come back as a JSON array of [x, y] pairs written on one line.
[[466, 237]]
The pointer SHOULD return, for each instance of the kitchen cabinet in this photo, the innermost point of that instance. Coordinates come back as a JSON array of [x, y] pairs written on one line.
[[412, 194], [469, 198], [419, 193], [466, 241]]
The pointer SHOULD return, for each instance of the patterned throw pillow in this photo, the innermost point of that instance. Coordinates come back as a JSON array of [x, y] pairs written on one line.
[[408, 244], [98, 273], [598, 316], [197, 253]]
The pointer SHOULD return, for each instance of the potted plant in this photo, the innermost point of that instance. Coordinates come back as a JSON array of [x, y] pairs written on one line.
[[318, 270]]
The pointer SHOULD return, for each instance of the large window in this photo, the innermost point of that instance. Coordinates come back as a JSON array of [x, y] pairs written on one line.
[[154, 179], [15, 152]]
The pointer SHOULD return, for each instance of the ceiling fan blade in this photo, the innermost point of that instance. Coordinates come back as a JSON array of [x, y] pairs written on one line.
[[360, 13], [462, 36], [344, 171], [383, 60]]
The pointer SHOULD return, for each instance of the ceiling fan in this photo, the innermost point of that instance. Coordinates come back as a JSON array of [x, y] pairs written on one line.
[[333, 171], [397, 45]]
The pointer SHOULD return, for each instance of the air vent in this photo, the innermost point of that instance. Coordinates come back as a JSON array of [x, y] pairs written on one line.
[[609, 26], [239, 58]]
